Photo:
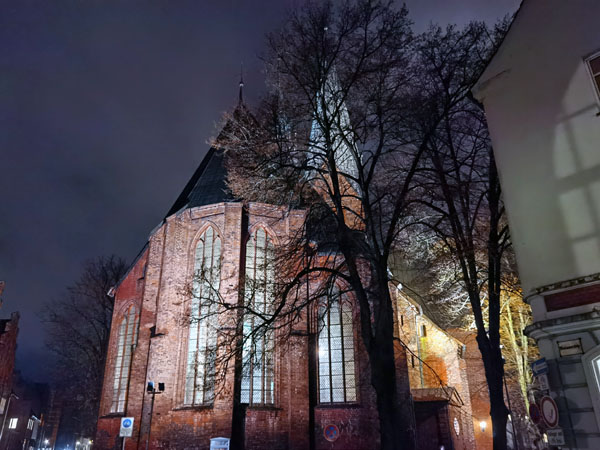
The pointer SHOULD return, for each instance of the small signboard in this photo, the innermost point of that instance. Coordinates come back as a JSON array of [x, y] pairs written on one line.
[[542, 382], [534, 413], [549, 411], [219, 443], [331, 432], [538, 367], [126, 427], [555, 436], [568, 348]]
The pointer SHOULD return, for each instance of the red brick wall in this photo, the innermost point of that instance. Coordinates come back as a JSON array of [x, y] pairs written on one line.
[[161, 295], [129, 292], [573, 297], [480, 399], [8, 348]]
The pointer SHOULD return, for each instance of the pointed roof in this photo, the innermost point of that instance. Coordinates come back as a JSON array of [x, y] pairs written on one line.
[[207, 185]]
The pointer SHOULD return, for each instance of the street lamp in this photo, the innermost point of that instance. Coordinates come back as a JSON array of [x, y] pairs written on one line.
[[151, 389]]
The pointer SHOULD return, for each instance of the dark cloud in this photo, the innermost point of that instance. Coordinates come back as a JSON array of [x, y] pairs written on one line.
[[105, 111]]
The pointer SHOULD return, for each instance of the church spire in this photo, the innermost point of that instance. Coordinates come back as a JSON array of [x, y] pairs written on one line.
[[241, 99]]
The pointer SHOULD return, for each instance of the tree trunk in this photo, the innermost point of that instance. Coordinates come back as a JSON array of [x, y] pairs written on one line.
[[396, 420], [494, 371]]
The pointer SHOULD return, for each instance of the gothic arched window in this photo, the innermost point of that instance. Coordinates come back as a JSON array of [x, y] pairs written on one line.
[[258, 376], [202, 342], [337, 380], [128, 330]]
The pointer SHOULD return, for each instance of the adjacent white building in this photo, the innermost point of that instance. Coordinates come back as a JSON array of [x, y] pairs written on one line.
[[541, 93]]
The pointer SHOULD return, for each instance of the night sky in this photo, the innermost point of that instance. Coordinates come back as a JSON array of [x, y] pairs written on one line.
[[106, 108]]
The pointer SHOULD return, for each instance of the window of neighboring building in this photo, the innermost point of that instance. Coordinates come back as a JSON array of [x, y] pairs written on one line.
[[128, 330], [2, 404], [337, 380], [202, 343], [12, 423], [30, 424], [594, 67], [258, 376]]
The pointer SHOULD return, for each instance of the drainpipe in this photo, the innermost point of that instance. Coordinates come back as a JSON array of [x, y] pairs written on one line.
[[418, 338], [312, 362]]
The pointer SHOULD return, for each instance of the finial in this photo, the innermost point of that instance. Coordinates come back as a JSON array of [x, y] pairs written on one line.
[[241, 101]]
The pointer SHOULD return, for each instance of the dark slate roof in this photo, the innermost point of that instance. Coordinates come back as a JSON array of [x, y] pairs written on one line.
[[207, 185]]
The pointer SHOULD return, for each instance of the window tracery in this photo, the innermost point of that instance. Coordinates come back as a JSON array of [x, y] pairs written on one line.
[[128, 331], [258, 373], [202, 338], [337, 379]]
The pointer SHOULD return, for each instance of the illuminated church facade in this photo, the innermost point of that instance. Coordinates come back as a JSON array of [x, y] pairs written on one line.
[[311, 391]]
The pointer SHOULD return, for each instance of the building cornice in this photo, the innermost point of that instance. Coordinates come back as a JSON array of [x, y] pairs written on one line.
[[562, 285], [563, 325]]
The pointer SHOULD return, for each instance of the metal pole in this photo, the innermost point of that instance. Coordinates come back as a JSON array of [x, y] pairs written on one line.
[[150, 422], [124, 442]]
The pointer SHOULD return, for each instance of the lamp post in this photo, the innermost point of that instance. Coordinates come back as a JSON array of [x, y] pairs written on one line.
[[151, 389]]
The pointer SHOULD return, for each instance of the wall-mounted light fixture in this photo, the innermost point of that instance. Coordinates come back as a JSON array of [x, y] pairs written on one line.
[[482, 426]]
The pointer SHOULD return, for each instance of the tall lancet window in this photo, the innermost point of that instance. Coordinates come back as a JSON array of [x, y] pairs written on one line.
[[202, 342], [258, 376], [337, 381], [128, 331]]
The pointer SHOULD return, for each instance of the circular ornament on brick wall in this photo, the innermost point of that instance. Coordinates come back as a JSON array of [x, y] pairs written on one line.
[[331, 432]]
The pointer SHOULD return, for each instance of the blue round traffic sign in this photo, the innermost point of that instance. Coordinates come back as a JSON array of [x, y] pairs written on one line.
[[126, 423], [331, 432]]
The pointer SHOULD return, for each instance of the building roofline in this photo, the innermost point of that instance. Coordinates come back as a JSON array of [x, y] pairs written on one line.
[[481, 84], [112, 290]]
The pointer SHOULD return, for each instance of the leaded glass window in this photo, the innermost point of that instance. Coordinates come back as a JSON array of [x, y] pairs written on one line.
[[202, 342], [258, 375], [128, 331], [337, 380]]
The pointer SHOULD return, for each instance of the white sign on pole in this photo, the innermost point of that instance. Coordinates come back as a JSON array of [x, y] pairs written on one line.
[[126, 427], [555, 436], [542, 382], [219, 443]]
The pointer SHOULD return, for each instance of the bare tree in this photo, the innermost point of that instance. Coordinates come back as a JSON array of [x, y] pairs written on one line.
[[331, 141], [440, 289], [460, 188], [342, 137], [368, 131], [77, 332]]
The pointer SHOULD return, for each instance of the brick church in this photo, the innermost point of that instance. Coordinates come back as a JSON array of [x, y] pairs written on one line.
[[311, 391]]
